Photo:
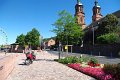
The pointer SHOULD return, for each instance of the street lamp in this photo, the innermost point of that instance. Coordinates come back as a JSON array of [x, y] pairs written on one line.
[[29, 43], [66, 42], [93, 29], [59, 50], [93, 38], [40, 39]]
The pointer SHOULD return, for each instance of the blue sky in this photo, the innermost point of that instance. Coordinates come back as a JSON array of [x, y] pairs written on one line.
[[20, 16]]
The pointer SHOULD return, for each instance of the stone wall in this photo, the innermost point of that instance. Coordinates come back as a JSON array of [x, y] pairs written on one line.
[[7, 64]]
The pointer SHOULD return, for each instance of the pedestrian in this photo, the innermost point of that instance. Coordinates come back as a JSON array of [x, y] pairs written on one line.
[[5, 51]]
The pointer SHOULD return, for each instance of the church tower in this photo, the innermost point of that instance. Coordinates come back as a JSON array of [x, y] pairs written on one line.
[[80, 14], [96, 12]]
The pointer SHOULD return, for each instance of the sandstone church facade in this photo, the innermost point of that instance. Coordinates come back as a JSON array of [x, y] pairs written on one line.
[[97, 18], [79, 13]]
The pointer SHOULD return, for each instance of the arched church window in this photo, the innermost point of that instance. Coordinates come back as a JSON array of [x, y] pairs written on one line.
[[81, 19], [98, 11], [79, 9]]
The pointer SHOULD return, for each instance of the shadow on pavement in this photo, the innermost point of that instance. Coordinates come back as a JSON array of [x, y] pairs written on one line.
[[44, 60], [21, 64]]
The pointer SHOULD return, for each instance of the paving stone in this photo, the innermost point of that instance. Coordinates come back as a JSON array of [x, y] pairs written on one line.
[[44, 68]]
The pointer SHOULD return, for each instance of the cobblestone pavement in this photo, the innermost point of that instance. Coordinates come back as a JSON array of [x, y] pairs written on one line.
[[2, 55], [44, 68]]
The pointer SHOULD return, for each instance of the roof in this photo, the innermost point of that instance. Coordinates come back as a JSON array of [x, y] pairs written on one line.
[[15, 44], [117, 14]]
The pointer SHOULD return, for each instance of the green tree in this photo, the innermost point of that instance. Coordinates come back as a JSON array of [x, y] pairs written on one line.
[[108, 25], [108, 30], [21, 39], [67, 30], [32, 38], [118, 30]]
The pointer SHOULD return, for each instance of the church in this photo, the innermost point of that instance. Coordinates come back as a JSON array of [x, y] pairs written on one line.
[[96, 17], [79, 13]]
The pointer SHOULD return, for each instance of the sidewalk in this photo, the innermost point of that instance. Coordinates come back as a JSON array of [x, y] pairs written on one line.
[[44, 68], [101, 59]]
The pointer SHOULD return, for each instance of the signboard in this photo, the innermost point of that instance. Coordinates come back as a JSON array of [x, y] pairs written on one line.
[[66, 47]]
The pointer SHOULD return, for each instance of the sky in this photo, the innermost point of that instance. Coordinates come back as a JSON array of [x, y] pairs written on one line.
[[20, 16]]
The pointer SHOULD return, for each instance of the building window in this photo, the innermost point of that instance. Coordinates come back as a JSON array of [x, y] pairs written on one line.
[[98, 11], [81, 19]]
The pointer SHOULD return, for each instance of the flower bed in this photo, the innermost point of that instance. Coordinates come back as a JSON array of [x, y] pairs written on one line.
[[97, 73], [91, 67]]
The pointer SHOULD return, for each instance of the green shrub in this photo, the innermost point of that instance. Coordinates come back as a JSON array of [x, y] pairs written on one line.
[[83, 59], [109, 68], [71, 59], [108, 38], [61, 60], [94, 60], [75, 59], [113, 69]]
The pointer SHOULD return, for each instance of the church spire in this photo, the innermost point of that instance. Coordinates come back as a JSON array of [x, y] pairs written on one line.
[[96, 12], [79, 13], [96, 3], [78, 2]]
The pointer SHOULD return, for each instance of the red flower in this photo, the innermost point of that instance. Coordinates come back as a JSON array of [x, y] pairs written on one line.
[[97, 65], [94, 72]]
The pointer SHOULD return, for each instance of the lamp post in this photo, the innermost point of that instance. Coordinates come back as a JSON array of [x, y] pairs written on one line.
[[93, 39], [93, 34], [93, 29], [29, 43], [67, 42], [59, 50], [40, 38]]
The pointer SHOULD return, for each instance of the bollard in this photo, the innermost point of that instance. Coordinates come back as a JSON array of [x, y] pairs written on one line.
[[91, 53], [111, 54], [99, 53]]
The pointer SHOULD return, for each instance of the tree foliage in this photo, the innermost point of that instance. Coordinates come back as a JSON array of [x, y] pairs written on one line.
[[31, 38], [108, 30], [67, 30], [109, 38], [108, 25], [21, 39]]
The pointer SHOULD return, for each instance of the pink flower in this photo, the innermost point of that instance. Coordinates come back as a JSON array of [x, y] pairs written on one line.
[[94, 72]]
